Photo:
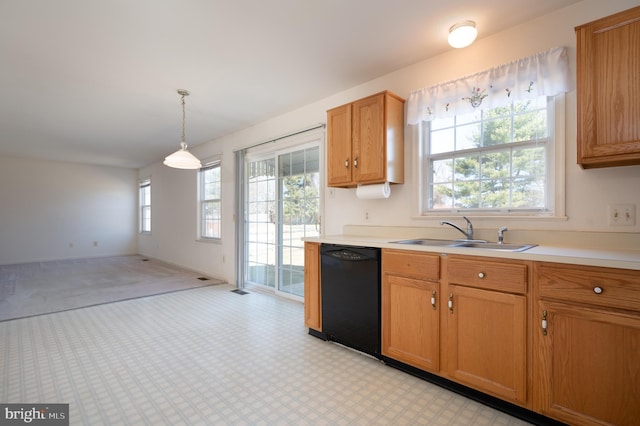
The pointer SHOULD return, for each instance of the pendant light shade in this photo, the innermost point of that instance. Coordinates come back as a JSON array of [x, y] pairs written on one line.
[[462, 34], [182, 159]]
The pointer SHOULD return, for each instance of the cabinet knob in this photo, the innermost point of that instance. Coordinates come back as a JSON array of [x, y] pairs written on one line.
[[597, 290], [481, 275], [346, 163], [355, 162]]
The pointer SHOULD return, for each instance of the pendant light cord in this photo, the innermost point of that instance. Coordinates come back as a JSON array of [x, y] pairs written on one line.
[[183, 93], [183, 159]]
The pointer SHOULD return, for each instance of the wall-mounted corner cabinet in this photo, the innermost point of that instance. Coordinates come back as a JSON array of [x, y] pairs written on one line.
[[608, 90], [365, 141]]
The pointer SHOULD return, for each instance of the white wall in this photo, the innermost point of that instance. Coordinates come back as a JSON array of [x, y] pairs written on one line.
[[587, 191], [174, 210], [55, 210]]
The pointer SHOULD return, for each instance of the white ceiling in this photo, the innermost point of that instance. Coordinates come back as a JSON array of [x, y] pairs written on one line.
[[95, 81]]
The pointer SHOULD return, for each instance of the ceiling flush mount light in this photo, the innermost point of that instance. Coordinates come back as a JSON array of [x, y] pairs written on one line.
[[462, 34], [182, 159]]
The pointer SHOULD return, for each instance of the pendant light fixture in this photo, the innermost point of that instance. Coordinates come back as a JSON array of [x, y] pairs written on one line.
[[462, 34], [182, 159]]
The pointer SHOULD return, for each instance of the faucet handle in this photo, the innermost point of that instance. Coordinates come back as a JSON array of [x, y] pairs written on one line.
[[501, 232], [469, 228]]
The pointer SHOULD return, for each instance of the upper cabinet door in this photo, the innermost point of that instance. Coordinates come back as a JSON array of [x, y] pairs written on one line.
[[369, 159], [608, 90], [339, 160]]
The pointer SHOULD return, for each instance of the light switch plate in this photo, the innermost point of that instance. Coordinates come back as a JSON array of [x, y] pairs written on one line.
[[622, 214]]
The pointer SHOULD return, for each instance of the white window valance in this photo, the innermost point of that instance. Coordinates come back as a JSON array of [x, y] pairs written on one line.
[[543, 74]]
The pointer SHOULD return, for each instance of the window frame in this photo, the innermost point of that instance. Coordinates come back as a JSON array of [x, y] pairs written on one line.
[[555, 173], [202, 201], [144, 205]]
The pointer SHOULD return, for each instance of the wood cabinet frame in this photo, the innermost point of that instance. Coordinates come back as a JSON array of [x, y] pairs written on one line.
[[410, 311], [586, 325], [433, 336], [495, 292], [573, 331], [608, 90], [365, 141], [312, 289]]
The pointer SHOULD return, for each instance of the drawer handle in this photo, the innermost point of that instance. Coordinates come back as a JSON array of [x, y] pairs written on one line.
[[433, 299], [598, 290], [346, 163], [544, 323], [481, 275]]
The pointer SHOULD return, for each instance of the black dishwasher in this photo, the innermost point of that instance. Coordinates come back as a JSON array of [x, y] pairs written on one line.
[[351, 296]]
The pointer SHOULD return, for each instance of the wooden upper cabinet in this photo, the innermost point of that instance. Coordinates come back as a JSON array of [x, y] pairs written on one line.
[[366, 141], [608, 90]]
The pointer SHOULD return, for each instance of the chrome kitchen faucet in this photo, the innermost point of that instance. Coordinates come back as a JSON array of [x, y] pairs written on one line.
[[468, 233]]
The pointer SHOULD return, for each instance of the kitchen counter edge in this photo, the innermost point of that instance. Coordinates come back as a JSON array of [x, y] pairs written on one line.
[[623, 259]]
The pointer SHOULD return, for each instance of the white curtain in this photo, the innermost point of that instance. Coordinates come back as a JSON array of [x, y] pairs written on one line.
[[543, 74]]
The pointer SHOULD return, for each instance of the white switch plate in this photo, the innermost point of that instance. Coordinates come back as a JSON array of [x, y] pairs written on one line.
[[622, 214]]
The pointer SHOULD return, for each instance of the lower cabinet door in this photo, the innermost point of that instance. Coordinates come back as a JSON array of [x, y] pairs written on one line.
[[587, 365], [487, 341], [410, 322], [312, 294]]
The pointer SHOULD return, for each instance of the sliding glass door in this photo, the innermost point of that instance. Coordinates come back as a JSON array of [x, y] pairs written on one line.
[[282, 206], [260, 233]]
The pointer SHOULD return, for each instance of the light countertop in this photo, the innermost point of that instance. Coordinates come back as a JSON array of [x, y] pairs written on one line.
[[625, 259]]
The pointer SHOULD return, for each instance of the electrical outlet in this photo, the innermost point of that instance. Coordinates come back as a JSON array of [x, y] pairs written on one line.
[[366, 215], [622, 214]]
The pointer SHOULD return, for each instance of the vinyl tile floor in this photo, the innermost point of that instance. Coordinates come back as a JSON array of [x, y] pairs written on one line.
[[208, 356]]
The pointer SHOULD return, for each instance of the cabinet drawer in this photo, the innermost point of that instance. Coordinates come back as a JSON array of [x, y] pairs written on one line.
[[410, 263], [608, 287], [488, 274]]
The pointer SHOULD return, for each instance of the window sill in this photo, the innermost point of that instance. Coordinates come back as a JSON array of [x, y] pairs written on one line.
[[209, 240], [472, 215]]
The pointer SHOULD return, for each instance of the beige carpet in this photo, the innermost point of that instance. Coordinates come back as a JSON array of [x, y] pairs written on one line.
[[38, 288]]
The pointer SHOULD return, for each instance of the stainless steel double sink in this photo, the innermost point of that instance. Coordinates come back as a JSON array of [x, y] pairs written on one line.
[[475, 244]]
